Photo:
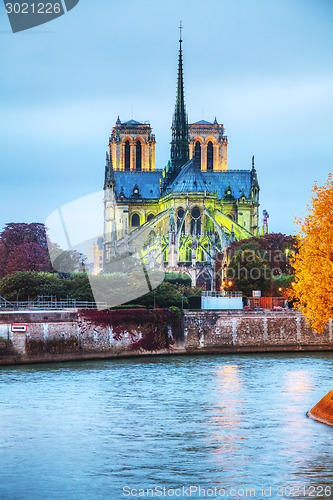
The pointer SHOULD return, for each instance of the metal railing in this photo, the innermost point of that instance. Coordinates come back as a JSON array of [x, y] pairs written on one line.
[[54, 304], [222, 294]]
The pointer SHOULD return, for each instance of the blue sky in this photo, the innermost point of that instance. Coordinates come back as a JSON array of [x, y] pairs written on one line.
[[262, 67]]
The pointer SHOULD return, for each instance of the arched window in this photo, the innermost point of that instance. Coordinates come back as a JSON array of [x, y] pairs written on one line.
[[195, 221], [180, 215], [127, 155], [210, 156], [188, 255], [150, 217], [197, 154], [135, 220], [138, 156]]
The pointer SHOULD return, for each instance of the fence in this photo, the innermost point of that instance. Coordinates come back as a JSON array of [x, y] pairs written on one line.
[[50, 303], [221, 294]]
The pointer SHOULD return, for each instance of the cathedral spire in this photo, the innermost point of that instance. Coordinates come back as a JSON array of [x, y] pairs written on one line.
[[109, 172], [180, 133]]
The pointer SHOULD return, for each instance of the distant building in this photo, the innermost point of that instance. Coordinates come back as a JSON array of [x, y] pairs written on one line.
[[191, 209], [98, 256]]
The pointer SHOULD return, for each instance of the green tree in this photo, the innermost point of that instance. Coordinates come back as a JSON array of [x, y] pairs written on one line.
[[247, 272], [26, 285], [165, 295]]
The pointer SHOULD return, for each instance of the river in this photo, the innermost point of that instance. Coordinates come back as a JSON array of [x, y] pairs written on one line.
[[232, 425]]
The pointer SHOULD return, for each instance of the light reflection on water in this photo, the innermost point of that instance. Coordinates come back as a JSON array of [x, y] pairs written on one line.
[[85, 430]]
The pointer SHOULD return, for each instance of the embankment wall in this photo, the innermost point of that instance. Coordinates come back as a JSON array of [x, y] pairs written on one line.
[[252, 331], [62, 336]]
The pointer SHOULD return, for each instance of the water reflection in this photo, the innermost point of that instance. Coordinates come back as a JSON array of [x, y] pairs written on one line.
[[298, 381], [225, 432], [84, 430], [228, 398]]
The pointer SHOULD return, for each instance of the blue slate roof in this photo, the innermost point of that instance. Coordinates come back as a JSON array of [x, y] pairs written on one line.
[[202, 122], [148, 183], [132, 122], [189, 180], [236, 179]]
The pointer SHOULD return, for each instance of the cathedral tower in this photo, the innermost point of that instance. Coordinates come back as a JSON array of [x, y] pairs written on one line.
[[208, 146], [180, 132], [132, 146]]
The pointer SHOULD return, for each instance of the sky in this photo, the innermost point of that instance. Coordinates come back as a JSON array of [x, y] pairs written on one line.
[[262, 67]]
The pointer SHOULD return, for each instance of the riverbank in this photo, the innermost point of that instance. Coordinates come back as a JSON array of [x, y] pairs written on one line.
[[48, 336]]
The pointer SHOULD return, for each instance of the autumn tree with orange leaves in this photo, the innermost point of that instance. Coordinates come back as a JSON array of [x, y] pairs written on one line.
[[314, 261]]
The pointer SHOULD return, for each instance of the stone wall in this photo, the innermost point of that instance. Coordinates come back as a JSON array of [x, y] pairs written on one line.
[[61, 336], [250, 331]]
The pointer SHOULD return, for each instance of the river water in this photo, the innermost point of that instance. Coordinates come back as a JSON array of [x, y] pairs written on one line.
[[232, 425]]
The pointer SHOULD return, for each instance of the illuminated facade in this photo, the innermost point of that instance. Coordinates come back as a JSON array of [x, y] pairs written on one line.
[[208, 146], [188, 211], [132, 146]]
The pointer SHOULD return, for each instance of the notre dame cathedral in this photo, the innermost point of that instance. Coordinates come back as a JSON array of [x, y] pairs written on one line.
[[190, 210]]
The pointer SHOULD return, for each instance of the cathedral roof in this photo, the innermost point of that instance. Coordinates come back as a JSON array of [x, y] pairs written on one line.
[[189, 180], [202, 122], [147, 182], [236, 179], [132, 122]]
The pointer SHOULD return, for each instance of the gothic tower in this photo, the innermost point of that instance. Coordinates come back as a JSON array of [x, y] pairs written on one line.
[[132, 146], [180, 132], [208, 145]]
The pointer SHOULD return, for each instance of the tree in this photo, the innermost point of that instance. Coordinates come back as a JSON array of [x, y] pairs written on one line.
[[314, 261], [248, 272], [277, 249], [27, 257], [165, 295], [282, 284], [23, 247], [26, 285]]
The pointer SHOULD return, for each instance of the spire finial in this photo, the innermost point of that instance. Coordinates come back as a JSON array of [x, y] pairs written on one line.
[[180, 31], [253, 162]]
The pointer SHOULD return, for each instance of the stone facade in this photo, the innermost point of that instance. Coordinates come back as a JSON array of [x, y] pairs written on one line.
[[250, 331], [208, 145], [132, 146]]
